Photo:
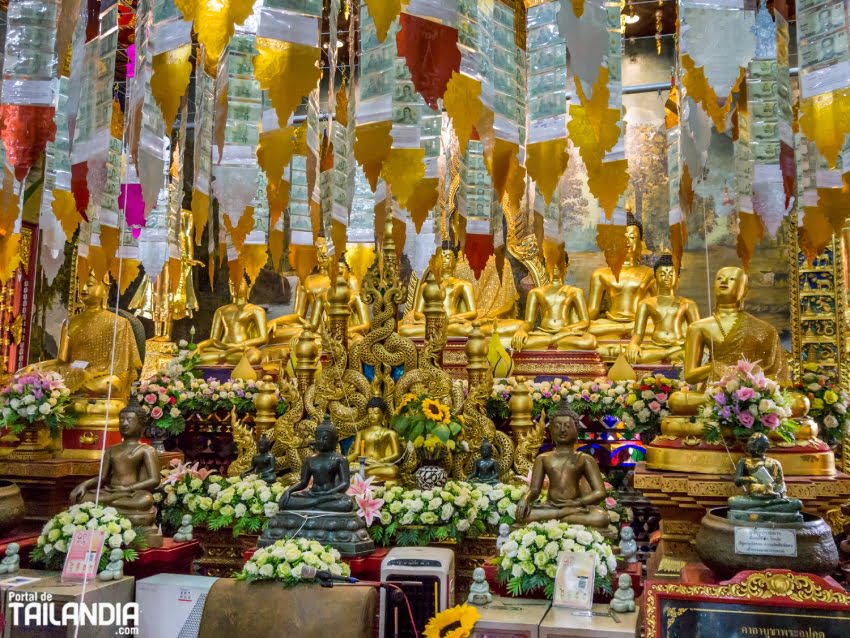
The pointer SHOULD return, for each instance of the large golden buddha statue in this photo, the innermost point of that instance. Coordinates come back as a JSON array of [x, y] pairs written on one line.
[[238, 329], [97, 349], [727, 336], [670, 316], [358, 319], [613, 301], [378, 443], [563, 318]]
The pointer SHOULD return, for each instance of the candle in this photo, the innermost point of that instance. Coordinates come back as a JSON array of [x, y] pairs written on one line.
[[362, 448], [436, 597]]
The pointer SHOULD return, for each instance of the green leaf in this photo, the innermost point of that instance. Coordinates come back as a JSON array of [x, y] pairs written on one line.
[[454, 428], [442, 432]]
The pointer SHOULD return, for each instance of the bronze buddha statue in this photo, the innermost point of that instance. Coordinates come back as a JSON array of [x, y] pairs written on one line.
[[670, 316], [622, 294], [486, 468], [238, 329], [378, 443], [763, 482]]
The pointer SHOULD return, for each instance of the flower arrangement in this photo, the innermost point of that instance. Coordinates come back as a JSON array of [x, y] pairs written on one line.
[[597, 397], [160, 395], [245, 504], [500, 507], [644, 406], [454, 622], [178, 482], [207, 396], [36, 396], [52, 545], [528, 560], [745, 401], [417, 517], [284, 560], [829, 402], [618, 514], [429, 425]]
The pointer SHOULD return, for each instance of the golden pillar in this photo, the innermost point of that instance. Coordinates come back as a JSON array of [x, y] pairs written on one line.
[[266, 403], [477, 366], [435, 313], [521, 404], [306, 360], [338, 309]]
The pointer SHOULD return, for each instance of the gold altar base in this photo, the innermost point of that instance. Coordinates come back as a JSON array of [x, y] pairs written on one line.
[[683, 498], [574, 364]]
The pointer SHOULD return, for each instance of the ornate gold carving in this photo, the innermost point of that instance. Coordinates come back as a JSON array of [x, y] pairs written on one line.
[[673, 613], [88, 438]]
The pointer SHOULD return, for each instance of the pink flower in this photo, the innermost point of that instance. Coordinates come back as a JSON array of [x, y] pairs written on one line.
[[359, 486], [661, 396], [746, 419], [770, 420], [610, 502], [655, 406], [720, 398], [745, 394], [368, 507], [745, 367], [156, 413], [150, 398]]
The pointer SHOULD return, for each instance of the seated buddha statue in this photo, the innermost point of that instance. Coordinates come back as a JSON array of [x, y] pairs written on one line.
[[763, 483], [358, 320], [727, 336], [563, 319], [129, 473], [613, 301], [670, 316], [325, 477], [378, 443], [238, 329], [567, 499], [86, 345]]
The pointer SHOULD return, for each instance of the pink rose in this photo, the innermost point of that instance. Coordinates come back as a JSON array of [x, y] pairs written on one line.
[[661, 396], [156, 413], [655, 406], [770, 420], [610, 502], [746, 419], [745, 394], [150, 398]]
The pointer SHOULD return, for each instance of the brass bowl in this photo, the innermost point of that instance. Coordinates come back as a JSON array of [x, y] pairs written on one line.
[[11, 507]]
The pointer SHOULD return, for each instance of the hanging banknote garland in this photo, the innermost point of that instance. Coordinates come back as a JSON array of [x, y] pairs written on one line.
[[676, 216], [474, 203]]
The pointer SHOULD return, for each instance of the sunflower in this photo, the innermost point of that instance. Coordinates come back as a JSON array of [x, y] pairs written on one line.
[[405, 400], [454, 622], [436, 411]]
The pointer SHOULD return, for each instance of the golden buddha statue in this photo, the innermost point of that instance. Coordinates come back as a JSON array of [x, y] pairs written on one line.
[[576, 486], [309, 303], [358, 320], [238, 329], [562, 311], [727, 336], [97, 349], [129, 473], [378, 443], [670, 316], [620, 295]]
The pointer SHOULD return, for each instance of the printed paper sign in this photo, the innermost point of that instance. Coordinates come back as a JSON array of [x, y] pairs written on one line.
[[765, 541], [83, 555], [574, 580]]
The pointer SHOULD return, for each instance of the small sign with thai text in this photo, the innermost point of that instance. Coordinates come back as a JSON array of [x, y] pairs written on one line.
[[574, 580], [83, 556], [765, 541], [79, 364]]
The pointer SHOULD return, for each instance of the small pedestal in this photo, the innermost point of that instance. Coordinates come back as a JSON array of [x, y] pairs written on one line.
[[510, 618], [346, 532], [562, 622], [171, 558]]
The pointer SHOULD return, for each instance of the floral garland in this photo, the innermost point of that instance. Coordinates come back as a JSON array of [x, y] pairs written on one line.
[[745, 401], [829, 402], [52, 545], [208, 396], [34, 397], [645, 405], [597, 397], [528, 560], [284, 560]]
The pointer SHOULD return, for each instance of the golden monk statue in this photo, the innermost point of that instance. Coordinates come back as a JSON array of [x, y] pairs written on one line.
[[562, 311], [613, 301], [358, 320], [96, 348], [727, 336], [238, 329], [378, 443], [565, 468], [129, 473], [309, 303], [670, 316]]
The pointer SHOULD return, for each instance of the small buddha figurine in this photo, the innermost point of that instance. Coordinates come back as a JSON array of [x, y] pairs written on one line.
[[329, 473], [563, 318], [238, 329], [11, 562], [727, 336], [378, 443], [670, 316], [628, 545], [764, 485], [623, 601], [96, 349], [114, 569], [486, 468], [184, 532], [567, 499], [130, 471], [263, 464], [621, 295], [479, 589], [504, 533]]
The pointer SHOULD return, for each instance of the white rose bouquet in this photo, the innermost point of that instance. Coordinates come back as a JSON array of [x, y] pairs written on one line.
[[284, 560], [36, 397], [52, 545], [529, 558], [245, 504], [500, 506]]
